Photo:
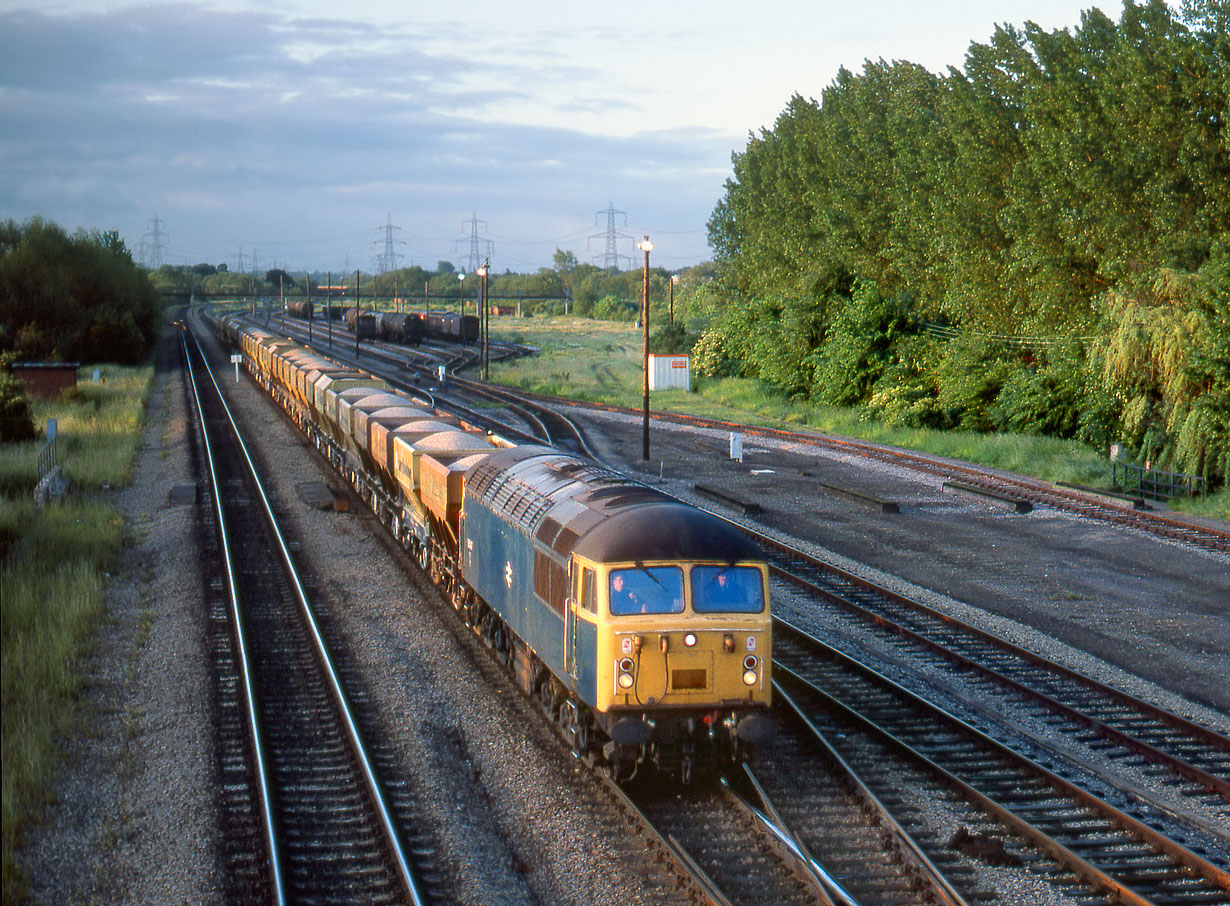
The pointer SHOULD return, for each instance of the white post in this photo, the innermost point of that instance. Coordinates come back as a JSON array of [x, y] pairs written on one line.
[[235, 360], [736, 446]]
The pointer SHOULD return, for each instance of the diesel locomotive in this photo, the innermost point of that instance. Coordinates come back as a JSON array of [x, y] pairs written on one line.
[[641, 624]]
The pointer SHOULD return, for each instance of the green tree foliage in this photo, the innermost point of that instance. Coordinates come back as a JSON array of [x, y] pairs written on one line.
[[76, 297], [1053, 208], [1168, 359]]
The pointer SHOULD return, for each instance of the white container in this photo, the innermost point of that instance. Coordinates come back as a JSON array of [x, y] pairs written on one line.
[[670, 372]]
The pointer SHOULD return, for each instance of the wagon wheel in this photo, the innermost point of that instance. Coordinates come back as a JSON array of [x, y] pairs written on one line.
[[503, 646]]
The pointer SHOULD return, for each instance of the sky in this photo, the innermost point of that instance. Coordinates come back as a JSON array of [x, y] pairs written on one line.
[[304, 134]]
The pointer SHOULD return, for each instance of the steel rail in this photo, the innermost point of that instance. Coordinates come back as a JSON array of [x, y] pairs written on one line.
[[832, 893], [941, 888], [1102, 727], [261, 769], [916, 707], [392, 836]]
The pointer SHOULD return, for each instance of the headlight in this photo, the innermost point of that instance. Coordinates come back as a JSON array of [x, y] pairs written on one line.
[[626, 681], [749, 677], [689, 640]]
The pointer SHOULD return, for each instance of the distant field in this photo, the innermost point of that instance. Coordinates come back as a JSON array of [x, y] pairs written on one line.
[[600, 361]]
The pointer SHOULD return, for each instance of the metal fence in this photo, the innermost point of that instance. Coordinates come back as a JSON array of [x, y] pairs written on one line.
[[1155, 483], [48, 459]]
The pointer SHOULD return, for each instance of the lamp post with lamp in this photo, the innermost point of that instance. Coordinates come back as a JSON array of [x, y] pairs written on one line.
[[646, 246], [674, 283], [484, 323], [461, 299]]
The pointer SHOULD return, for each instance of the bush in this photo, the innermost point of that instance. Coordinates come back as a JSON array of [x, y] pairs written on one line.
[[710, 358], [16, 420], [906, 392], [608, 308], [970, 377], [671, 339], [859, 345]]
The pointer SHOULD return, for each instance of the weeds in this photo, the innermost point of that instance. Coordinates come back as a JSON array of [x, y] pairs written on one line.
[[54, 564]]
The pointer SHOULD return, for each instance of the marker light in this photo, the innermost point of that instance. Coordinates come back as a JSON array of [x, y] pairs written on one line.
[[749, 678], [750, 662], [689, 640]]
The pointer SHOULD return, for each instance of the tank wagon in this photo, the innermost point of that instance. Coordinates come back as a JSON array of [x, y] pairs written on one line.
[[451, 326], [641, 624], [363, 323], [299, 308], [400, 327]]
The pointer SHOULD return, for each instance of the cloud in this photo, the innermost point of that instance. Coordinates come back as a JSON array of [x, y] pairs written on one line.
[[266, 129]]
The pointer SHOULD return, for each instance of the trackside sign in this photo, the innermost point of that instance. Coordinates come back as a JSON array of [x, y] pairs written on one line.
[[670, 372]]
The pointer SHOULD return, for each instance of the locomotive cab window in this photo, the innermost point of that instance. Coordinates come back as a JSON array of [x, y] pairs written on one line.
[[648, 589], [727, 589], [587, 590]]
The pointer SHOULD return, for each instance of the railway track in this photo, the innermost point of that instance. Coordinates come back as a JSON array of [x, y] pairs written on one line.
[[703, 870], [1196, 759], [1039, 814], [308, 819], [817, 800]]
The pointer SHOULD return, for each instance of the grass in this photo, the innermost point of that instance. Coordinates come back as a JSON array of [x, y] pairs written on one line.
[[53, 571], [600, 361]]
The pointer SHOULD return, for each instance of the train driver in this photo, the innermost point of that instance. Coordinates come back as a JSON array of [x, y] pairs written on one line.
[[655, 589]]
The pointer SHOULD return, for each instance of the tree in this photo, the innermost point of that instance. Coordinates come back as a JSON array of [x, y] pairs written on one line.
[[78, 297], [277, 279]]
